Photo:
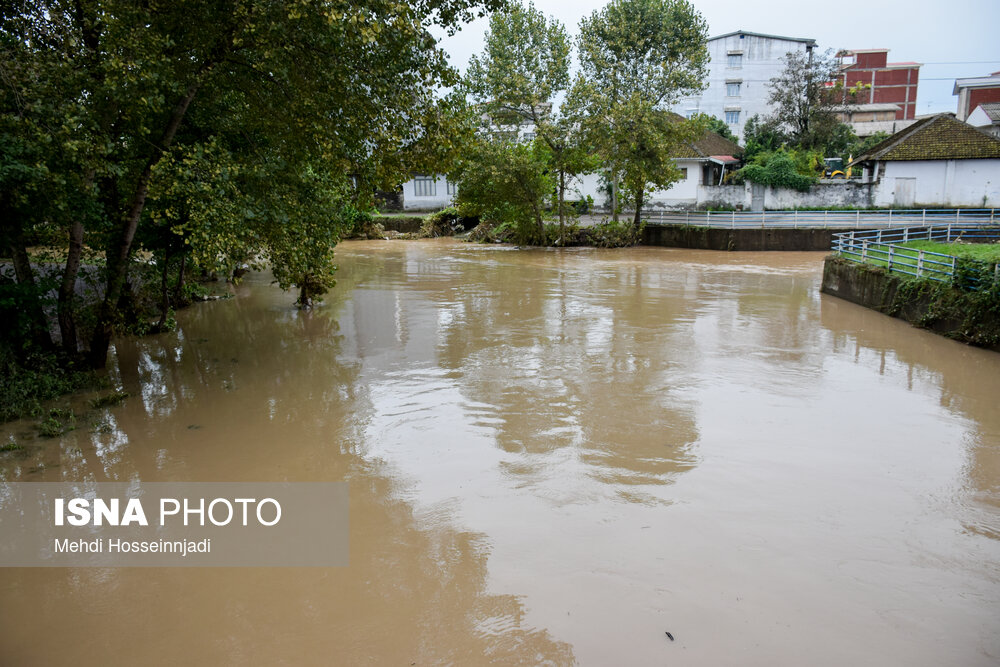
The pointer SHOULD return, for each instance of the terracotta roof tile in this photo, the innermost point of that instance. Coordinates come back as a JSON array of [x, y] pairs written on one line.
[[710, 144]]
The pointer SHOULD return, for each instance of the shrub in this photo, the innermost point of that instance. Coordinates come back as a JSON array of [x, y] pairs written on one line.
[[782, 169]]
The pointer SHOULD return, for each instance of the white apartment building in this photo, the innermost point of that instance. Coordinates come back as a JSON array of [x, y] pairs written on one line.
[[742, 64]]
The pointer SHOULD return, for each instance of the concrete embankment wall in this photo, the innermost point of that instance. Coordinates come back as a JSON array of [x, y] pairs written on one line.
[[968, 317], [719, 238]]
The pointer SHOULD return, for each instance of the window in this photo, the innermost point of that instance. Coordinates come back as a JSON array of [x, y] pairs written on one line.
[[732, 117], [424, 186], [684, 173], [732, 90], [529, 136], [452, 188], [735, 60]]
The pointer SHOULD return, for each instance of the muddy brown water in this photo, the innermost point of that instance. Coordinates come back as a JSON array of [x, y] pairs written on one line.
[[554, 457]]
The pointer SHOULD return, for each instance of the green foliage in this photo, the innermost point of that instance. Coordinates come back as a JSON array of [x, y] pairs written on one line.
[[515, 81], [224, 131], [973, 274], [28, 382], [57, 422], [794, 169], [762, 135], [802, 100], [984, 252], [110, 400], [969, 316], [356, 224], [445, 222], [612, 234], [489, 231], [718, 126], [503, 181], [525, 64], [638, 57]]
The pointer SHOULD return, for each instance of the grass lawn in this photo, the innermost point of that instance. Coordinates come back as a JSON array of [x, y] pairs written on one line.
[[905, 257], [984, 252]]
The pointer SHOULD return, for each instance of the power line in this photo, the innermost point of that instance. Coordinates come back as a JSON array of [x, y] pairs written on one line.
[[965, 62]]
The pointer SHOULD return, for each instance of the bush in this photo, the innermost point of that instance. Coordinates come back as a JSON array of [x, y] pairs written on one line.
[[26, 384], [360, 224], [611, 234], [782, 169]]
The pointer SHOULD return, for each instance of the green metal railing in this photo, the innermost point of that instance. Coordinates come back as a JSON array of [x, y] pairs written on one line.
[[884, 248], [824, 219]]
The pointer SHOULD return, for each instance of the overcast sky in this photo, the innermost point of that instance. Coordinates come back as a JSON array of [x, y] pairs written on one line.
[[953, 39]]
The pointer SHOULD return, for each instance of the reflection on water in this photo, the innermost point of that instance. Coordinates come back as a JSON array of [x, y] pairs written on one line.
[[554, 457]]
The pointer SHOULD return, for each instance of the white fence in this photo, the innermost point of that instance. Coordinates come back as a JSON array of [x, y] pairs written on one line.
[[884, 248], [824, 219]]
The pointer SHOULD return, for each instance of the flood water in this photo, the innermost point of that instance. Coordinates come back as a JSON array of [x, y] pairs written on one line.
[[554, 457]]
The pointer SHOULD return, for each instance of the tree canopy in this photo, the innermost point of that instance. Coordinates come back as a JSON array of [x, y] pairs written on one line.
[[225, 123], [638, 57]]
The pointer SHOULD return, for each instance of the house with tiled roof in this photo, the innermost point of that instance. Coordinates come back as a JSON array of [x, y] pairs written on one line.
[[937, 161], [704, 162]]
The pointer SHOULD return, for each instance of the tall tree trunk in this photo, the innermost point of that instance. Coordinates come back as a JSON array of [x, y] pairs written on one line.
[[562, 211], [118, 253], [614, 195], [25, 276], [638, 209], [179, 289], [541, 225], [164, 291], [67, 290]]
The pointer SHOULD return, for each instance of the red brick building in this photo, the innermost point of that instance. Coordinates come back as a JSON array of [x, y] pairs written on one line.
[[886, 83], [973, 92]]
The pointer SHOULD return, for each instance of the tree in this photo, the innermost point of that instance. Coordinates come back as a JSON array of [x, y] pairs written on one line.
[[762, 135], [718, 126], [637, 57], [506, 181], [797, 169], [111, 91], [804, 97], [515, 81]]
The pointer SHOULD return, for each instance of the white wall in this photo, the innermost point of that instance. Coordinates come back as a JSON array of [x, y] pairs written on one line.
[[440, 199], [681, 193], [946, 183], [762, 61], [980, 119]]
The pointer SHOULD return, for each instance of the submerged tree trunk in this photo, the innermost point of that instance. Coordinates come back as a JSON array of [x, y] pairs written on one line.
[[119, 252], [638, 210], [179, 289], [67, 290], [25, 275], [164, 291]]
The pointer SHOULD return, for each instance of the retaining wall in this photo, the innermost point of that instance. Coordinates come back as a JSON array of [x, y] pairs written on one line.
[[941, 308], [716, 238]]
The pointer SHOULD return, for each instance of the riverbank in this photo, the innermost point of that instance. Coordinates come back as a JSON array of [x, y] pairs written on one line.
[[969, 317]]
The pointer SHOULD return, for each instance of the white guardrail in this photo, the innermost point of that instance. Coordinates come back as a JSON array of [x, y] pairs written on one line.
[[884, 248], [823, 219]]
